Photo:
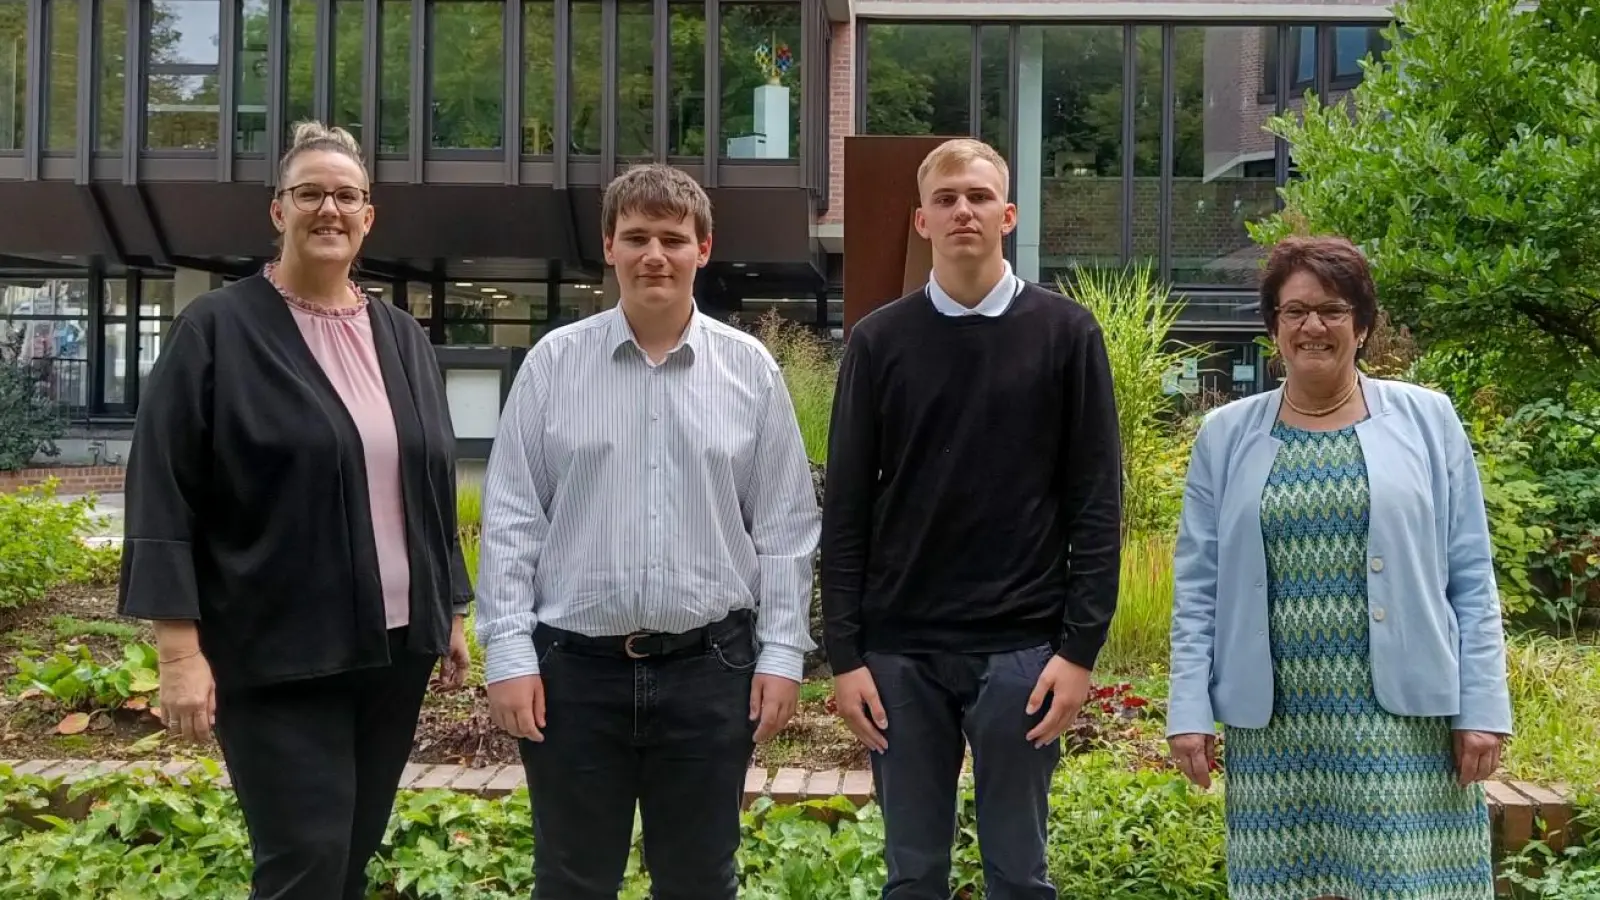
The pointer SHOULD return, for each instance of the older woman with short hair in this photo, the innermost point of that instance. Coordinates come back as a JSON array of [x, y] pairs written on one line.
[[1336, 610]]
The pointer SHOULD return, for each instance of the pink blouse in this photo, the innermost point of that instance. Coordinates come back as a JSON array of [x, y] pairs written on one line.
[[341, 341]]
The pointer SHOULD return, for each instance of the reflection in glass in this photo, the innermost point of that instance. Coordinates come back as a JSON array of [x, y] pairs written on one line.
[[636, 127], [157, 303], [111, 70], [686, 130], [301, 44], [994, 87], [1223, 167], [61, 84], [583, 79], [181, 89], [1146, 87], [349, 56], [13, 73], [57, 348], [503, 314], [919, 79], [538, 78], [1069, 149], [467, 75], [394, 78], [761, 68], [250, 91]]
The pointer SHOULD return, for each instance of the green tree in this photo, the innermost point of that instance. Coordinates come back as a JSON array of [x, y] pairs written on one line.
[[1470, 174]]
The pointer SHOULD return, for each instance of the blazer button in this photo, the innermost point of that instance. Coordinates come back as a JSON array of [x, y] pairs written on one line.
[[1377, 614], [1377, 564]]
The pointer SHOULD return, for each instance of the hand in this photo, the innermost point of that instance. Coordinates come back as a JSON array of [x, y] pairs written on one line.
[[773, 699], [1477, 755], [189, 696], [1067, 686], [453, 671], [1195, 755], [517, 706], [856, 695]]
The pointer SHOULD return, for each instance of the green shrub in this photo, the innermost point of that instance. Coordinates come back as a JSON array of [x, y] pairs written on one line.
[[1141, 630], [1540, 873], [41, 543], [29, 422], [1136, 314], [143, 836], [1555, 690], [77, 681], [810, 371]]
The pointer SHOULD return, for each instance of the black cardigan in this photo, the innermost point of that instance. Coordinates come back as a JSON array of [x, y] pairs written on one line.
[[247, 505]]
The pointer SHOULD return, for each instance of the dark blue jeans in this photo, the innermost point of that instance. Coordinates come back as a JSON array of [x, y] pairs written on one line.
[[936, 705], [671, 737]]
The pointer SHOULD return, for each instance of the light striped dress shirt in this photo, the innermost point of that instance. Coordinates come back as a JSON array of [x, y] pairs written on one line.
[[624, 496]]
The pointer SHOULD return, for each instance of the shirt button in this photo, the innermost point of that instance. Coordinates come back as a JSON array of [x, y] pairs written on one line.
[[1377, 614], [1377, 564]]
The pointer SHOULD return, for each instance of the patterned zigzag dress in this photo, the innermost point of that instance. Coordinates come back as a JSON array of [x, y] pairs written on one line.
[[1337, 797]]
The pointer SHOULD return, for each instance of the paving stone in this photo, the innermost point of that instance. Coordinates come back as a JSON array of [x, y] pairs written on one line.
[[1552, 813], [789, 785], [823, 785], [410, 774], [755, 783], [858, 786], [506, 781], [96, 769], [34, 766], [474, 780], [436, 777]]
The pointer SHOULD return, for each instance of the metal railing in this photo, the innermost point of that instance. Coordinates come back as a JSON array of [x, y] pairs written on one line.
[[64, 383]]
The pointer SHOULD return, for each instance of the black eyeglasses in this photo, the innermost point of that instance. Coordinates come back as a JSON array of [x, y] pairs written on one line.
[[309, 198]]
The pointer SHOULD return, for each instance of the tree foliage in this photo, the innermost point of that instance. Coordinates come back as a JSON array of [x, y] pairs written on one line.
[[1469, 171]]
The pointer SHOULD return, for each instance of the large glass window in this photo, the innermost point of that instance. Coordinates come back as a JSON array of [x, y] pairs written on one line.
[[919, 79], [181, 86], [466, 62], [538, 78], [61, 102], [250, 91], [686, 129], [47, 320], [994, 87], [636, 122], [502, 314], [301, 46], [1223, 158], [1069, 149], [111, 72], [13, 73], [584, 79], [349, 56], [761, 68], [1146, 88], [394, 78], [151, 322]]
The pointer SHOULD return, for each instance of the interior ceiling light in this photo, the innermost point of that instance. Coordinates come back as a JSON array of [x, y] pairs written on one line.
[[463, 284]]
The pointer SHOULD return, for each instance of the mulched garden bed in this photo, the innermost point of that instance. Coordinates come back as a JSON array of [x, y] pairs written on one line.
[[455, 726]]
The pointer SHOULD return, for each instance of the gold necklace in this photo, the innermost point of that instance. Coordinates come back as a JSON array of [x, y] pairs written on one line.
[[1327, 410]]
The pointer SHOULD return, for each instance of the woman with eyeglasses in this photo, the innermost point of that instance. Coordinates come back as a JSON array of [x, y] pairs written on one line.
[[1335, 609], [291, 531]]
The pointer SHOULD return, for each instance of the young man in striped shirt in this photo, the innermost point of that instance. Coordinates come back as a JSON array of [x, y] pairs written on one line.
[[649, 525]]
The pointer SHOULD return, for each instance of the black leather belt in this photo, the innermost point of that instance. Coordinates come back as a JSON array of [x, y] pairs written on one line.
[[649, 644]]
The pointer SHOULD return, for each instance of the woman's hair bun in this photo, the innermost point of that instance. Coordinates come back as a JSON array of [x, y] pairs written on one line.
[[316, 134]]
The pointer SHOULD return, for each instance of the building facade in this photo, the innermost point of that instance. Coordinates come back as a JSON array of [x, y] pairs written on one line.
[[137, 141]]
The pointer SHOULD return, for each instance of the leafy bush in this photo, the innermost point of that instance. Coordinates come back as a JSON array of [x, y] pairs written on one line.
[[77, 681], [143, 836], [29, 422], [1540, 873], [40, 543], [1470, 174], [1136, 314]]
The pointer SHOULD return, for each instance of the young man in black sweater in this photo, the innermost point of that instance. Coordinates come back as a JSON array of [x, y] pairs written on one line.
[[971, 537]]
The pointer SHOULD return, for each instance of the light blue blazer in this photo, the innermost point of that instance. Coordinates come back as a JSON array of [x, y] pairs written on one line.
[[1437, 643]]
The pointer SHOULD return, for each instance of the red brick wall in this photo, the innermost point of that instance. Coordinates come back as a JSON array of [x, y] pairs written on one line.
[[73, 479], [841, 113]]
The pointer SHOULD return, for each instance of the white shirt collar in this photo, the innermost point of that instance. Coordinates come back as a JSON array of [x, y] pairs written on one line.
[[997, 301]]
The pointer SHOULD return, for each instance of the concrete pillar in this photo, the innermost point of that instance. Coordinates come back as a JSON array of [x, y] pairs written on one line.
[[188, 284], [1028, 158]]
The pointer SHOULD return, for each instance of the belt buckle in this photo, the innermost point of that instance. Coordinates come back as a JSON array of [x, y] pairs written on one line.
[[627, 645]]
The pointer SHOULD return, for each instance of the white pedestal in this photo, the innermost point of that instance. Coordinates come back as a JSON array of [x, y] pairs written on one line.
[[770, 133]]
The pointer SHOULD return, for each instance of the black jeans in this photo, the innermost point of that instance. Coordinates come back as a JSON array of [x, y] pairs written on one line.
[[315, 765], [933, 702], [671, 736]]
